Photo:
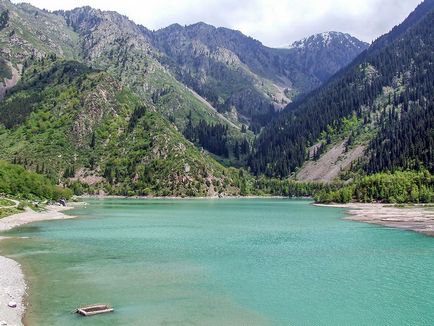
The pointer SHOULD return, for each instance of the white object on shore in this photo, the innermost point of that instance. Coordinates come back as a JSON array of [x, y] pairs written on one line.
[[12, 304], [3, 323]]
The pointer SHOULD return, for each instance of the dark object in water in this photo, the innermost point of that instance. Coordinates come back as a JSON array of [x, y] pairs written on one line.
[[94, 310]]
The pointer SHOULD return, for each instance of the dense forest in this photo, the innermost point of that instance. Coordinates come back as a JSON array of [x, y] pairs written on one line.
[[403, 66], [212, 137]]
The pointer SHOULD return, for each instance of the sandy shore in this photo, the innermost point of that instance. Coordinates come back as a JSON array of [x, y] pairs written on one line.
[[415, 218], [12, 282], [12, 288]]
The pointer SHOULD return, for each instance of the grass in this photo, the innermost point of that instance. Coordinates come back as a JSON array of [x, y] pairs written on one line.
[[4, 212], [6, 202]]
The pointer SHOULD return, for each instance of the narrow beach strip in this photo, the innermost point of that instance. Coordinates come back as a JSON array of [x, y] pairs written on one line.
[[418, 218], [12, 282]]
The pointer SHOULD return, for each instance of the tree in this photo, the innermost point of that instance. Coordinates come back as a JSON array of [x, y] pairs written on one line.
[[4, 19]]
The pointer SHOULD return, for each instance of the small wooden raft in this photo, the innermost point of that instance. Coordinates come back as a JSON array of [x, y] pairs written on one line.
[[94, 310]]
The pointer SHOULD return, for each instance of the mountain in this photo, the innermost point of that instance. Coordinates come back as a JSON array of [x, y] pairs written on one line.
[[75, 108], [25, 32], [245, 79], [72, 122], [324, 54], [375, 115], [95, 101], [110, 41]]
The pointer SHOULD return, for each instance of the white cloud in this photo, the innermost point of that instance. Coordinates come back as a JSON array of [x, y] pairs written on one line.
[[274, 22]]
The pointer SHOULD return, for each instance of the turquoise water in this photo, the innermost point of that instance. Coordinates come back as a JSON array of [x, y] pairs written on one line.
[[224, 262]]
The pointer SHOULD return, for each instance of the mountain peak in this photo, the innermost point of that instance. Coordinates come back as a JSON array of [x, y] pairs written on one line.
[[201, 25], [327, 40]]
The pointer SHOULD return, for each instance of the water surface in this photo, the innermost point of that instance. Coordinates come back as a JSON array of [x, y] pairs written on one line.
[[224, 262]]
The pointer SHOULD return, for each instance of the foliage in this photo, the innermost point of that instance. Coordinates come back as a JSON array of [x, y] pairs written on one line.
[[398, 187], [214, 138], [291, 188], [4, 212], [17, 181], [6, 202]]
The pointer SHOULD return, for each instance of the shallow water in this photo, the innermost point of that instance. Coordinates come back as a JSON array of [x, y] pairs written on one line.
[[224, 262]]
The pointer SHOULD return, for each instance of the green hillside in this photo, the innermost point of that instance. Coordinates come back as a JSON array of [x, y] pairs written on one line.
[[75, 123]]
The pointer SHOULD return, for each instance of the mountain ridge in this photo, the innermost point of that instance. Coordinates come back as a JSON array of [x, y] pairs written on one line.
[[133, 104], [354, 106]]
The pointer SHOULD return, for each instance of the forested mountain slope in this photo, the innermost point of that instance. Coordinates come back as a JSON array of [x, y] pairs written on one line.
[[89, 95], [384, 99], [69, 121]]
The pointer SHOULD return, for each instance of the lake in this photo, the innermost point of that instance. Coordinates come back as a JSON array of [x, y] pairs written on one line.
[[223, 262]]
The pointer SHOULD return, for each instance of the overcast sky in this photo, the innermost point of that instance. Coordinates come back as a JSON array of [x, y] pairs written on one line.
[[273, 22]]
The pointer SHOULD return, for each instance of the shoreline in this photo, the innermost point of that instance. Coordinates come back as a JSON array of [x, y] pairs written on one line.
[[13, 286], [185, 198], [414, 218]]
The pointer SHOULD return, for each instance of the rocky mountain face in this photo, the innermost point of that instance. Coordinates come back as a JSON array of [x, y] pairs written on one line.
[[27, 32], [238, 74], [113, 43], [177, 68], [322, 55]]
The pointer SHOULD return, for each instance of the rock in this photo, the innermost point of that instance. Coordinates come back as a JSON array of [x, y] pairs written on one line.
[[12, 304]]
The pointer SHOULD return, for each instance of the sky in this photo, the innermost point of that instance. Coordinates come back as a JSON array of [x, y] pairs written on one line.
[[275, 23]]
